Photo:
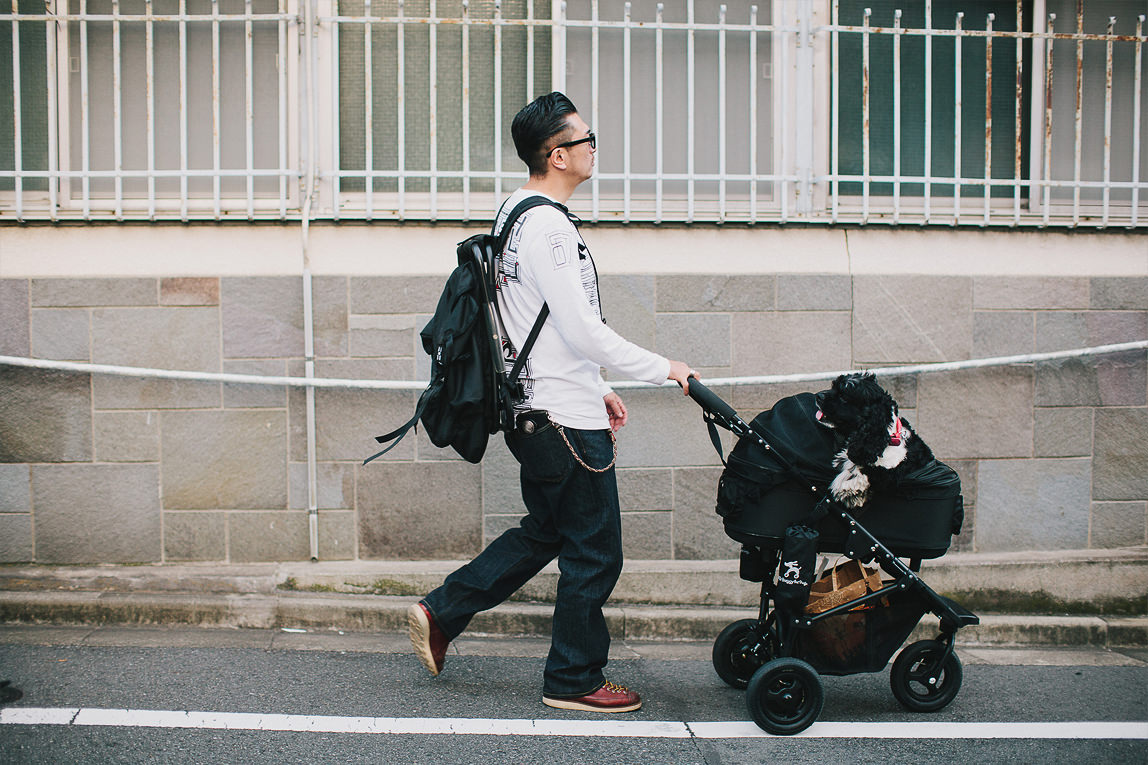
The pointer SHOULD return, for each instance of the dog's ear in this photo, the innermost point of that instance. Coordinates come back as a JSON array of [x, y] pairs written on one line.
[[869, 440]]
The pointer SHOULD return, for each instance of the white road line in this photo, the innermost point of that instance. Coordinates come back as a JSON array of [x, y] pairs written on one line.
[[151, 718]]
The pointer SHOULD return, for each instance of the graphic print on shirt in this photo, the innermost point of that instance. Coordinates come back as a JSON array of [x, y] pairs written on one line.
[[559, 248], [508, 263], [563, 245], [590, 278]]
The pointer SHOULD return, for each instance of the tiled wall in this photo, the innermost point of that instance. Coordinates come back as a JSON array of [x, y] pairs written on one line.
[[97, 468]]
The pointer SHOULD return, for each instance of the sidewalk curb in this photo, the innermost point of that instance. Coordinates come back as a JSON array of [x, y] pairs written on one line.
[[375, 613]]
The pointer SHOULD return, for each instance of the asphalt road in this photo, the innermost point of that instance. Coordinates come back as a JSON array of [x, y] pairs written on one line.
[[358, 679]]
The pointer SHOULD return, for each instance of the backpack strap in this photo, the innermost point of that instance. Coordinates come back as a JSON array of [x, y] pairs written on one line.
[[398, 433], [527, 204]]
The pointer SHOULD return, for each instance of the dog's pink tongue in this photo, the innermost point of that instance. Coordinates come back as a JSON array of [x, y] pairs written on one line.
[[819, 415]]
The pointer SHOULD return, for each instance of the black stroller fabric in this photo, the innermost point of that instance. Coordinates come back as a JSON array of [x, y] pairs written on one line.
[[763, 492]]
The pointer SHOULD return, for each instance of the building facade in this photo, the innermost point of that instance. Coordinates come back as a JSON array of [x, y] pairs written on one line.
[[797, 187]]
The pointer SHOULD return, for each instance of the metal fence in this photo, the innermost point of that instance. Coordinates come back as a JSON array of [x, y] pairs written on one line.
[[820, 111]]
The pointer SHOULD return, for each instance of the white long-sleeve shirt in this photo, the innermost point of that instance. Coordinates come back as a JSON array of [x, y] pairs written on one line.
[[546, 261]]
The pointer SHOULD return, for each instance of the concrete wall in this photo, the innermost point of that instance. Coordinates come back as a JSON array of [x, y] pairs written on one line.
[[108, 469]]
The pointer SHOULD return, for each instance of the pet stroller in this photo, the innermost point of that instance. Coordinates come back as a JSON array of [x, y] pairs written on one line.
[[777, 476]]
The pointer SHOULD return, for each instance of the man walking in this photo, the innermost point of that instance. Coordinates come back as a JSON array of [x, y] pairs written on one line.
[[564, 436]]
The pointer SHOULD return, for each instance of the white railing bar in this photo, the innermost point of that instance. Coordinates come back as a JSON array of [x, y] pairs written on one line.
[[149, 43], [368, 107], [988, 117], [281, 64], [85, 117], [144, 174], [143, 18], [498, 103], [928, 107], [1108, 122], [1001, 182], [897, 114], [117, 110], [1079, 134], [1136, 106], [627, 126], [401, 104], [753, 117], [432, 113], [183, 112], [466, 171], [583, 23], [835, 113], [51, 64], [17, 140], [1018, 131], [216, 107], [721, 113], [705, 177], [998, 33], [336, 156], [660, 130], [690, 116], [958, 97], [415, 385], [673, 26], [529, 50], [595, 73], [558, 41], [1048, 93], [249, 109], [865, 159]]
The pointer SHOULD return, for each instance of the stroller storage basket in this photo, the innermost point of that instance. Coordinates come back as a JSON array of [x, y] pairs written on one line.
[[864, 639]]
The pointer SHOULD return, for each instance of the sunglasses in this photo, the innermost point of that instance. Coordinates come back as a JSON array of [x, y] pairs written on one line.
[[590, 139]]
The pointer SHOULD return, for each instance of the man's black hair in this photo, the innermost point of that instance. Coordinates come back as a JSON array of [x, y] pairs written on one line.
[[538, 122]]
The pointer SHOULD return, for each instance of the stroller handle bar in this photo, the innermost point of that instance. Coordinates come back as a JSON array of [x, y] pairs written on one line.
[[711, 402]]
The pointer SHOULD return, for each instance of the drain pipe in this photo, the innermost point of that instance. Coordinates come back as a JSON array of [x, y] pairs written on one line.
[[308, 305]]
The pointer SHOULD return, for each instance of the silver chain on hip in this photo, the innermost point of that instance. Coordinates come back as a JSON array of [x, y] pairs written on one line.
[[578, 459]]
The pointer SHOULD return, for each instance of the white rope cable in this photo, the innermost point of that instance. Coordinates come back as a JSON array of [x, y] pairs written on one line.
[[414, 385]]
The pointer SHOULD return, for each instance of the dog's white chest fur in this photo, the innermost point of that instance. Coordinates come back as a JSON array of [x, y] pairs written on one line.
[[850, 486]]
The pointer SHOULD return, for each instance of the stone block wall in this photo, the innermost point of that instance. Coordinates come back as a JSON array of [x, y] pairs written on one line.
[[96, 468]]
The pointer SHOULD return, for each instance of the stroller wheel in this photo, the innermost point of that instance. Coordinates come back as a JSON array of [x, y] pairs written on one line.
[[918, 683], [739, 650], [785, 696]]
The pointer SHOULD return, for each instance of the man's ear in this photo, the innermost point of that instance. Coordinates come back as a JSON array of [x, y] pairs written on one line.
[[558, 159]]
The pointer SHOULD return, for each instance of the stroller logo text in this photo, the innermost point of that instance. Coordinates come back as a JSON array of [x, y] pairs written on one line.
[[792, 573]]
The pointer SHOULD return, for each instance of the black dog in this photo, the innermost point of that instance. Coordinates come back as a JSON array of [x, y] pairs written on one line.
[[879, 446]]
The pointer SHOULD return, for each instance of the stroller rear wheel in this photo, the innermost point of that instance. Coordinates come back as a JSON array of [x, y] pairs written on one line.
[[739, 650], [919, 683], [785, 696]]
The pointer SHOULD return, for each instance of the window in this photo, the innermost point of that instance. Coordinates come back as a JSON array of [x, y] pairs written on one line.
[[425, 101], [160, 104], [989, 136], [24, 115]]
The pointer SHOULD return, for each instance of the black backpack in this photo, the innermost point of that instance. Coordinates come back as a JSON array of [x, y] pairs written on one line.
[[471, 395]]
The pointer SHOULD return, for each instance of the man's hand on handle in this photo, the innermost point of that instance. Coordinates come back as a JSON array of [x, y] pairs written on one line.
[[681, 373]]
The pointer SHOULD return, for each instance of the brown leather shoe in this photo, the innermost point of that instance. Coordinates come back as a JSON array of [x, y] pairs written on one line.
[[428, 641], [608, 698]]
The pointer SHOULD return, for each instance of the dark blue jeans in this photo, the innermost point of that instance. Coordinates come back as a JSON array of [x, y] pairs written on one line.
[[572, 514]]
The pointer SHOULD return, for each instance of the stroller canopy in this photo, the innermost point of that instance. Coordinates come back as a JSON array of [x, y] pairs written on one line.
[[792, 430]]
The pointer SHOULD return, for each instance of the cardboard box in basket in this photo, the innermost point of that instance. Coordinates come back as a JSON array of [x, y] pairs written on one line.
[[841, 584]]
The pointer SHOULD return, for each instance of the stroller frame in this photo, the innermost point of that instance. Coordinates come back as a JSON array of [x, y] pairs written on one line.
[[774, 656]]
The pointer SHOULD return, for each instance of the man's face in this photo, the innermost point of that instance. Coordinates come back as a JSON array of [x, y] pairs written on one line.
[[579, 158]]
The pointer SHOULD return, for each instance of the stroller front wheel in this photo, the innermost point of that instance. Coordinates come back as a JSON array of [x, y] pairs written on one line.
[[785, 696], [919, 683], [739, 650]]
